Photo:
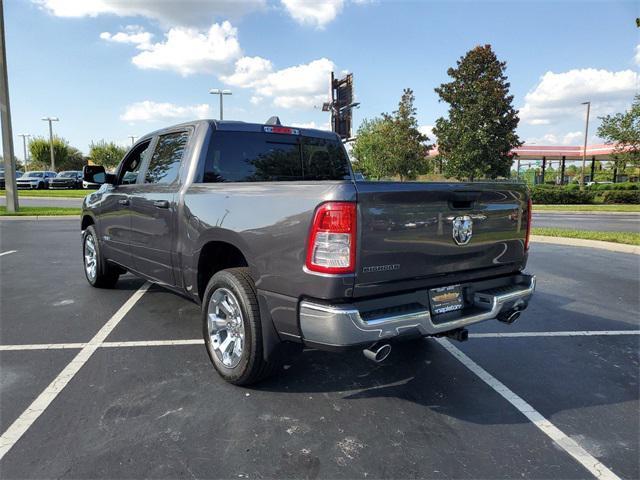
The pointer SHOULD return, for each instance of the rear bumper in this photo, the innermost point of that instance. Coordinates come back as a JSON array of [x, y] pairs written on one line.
[[334, 326]]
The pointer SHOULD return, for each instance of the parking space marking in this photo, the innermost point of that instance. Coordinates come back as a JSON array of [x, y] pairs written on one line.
[[199, 341], [7, 252], [582, 333], [40, 404], [41, 346], [153, 343], [569, 445]]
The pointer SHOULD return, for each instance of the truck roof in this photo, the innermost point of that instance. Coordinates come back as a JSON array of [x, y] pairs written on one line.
[[239, 126]]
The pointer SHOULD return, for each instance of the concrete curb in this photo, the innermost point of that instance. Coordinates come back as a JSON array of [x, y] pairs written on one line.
[[578, 242], [38, 217], [578, 212]]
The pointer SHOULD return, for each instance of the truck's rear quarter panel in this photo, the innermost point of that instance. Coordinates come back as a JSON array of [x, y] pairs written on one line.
[[269, 222]]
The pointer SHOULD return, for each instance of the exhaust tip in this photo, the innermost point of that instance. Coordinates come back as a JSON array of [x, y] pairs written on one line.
[[509, 317], [377, 353]]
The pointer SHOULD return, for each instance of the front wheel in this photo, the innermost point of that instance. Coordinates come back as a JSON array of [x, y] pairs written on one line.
[[98, 272], [232, 329]]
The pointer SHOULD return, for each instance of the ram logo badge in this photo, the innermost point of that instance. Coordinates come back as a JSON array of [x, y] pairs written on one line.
[[462, 229]]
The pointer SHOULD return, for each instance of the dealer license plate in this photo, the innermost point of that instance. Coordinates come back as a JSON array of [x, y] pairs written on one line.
[[446, 299]]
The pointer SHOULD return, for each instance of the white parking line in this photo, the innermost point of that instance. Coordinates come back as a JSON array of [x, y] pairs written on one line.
[[554, 433], [62, 346], [40, 404], [41, 346], [583, 333], [153, 343], [199, 341], [7, 252]]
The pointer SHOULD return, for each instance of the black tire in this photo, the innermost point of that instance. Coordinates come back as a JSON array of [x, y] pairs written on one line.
[[251, 367], [40, 186], [106, 276]]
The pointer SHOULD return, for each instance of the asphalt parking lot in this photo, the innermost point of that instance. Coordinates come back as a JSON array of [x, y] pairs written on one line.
[[129, 391]]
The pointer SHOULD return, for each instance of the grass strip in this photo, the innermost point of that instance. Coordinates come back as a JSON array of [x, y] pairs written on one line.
[[41, 211], [51, 193], [628, 238], [586, 208]]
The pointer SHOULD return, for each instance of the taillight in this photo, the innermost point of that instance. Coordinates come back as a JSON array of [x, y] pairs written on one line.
[[529, 208], [332, 240]]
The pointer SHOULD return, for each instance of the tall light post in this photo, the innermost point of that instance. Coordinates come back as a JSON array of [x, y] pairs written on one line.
[[217, 91], [5, 120], [53, 158], [133, 139], [24, 146], [584, 150]]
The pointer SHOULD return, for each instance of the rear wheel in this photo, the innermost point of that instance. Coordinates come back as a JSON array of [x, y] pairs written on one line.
[[98, 272], [232, 328]]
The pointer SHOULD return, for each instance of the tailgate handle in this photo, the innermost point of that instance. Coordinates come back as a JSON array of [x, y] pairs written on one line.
[[463, 200]]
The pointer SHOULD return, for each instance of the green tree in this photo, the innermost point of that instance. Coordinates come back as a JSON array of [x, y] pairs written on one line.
[[392, 145], [477, 137], [40, 153], [407, 144], [74, 161], [107, 154], [371, 149], [623, 130]]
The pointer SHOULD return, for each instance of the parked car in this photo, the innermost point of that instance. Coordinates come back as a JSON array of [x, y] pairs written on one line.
[[90, 185], [2, 181], [70, 179], [35, 180], [265, 227]]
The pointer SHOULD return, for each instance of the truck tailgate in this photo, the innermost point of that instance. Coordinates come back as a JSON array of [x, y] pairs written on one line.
[[406, 232]]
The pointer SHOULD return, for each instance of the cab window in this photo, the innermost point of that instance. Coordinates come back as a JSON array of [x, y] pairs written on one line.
[[164, 166]]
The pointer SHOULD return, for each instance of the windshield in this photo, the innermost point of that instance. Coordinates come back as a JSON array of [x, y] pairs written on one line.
[[33, 174], [66, 174]]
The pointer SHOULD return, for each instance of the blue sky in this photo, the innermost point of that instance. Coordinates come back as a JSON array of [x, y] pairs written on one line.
[[113, 68]]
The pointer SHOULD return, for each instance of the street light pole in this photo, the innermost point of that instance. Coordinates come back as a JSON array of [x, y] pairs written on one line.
[[53, 158], [220, 93], [584, 150], [24, 146], [7, 132], [133, 139]]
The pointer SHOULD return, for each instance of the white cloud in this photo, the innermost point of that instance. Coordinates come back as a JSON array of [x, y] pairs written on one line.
[[255, 100], [150, 111], [188, 50], [248, 72], [167, 12], [317, 126], [316, 13], [133, 34], [636, 58], [427, 130], [570, 138], [300, 86], [559, 95]]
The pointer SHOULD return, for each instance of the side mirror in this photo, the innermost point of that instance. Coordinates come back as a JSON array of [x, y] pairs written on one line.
[[96, 174]]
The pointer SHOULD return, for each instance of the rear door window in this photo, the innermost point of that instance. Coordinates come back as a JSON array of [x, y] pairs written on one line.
[[265, 157], [164, 166]]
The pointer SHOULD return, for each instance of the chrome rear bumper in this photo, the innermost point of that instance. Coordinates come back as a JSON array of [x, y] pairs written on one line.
[[345, 325]]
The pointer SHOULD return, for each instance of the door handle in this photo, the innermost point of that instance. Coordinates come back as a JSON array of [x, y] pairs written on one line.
[[161, 203], [124, 201]]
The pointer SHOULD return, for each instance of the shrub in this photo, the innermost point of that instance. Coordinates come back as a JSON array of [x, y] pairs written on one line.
[[614, 186], [560, 196], [621, 196]]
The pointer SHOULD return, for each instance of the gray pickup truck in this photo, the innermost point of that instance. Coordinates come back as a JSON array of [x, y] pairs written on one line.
[[266, 227]]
